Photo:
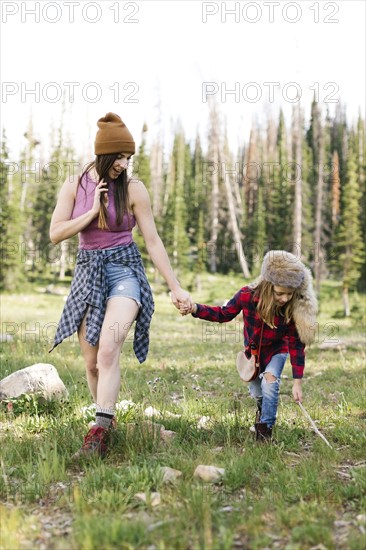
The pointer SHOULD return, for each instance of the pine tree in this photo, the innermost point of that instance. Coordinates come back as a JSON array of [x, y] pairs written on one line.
[[361, 175], [212, 170], [142, 172], [59, 166], [198, 213], [229, 175], [335, 191], [315, 137], [11, 255], [13, 250], [174, 229], [141, 168], [297, 176], [349, 246], [280, 203]]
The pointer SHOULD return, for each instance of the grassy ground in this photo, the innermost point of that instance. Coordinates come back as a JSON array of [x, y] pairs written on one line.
[[294, 494]]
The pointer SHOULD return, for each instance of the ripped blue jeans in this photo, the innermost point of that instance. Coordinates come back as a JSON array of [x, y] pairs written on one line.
[[266, 392]]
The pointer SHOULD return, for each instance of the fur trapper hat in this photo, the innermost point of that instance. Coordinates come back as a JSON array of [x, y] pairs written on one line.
[[281, 268]]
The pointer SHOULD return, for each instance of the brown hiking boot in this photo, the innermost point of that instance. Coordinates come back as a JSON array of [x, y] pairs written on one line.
[[95, 443], [256, 421], [263, 432]]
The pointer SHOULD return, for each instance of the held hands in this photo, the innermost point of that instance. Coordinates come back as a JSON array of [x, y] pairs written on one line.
[[184, 310], [297, 390], [181, 299]]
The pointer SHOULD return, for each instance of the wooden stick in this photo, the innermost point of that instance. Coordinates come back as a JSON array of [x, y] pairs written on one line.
[[313, 425]]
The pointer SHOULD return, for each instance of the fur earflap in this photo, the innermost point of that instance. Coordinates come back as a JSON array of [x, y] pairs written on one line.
[[281, 268], [305, 309]]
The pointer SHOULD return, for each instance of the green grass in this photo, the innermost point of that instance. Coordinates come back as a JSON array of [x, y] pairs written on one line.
[[289, 495]]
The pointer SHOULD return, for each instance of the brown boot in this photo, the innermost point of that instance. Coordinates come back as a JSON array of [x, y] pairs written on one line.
[[262, 432], [95, 443]]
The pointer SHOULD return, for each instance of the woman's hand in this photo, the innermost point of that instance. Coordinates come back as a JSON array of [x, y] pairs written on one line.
[[181, 298], [297, 390], [100, 189]]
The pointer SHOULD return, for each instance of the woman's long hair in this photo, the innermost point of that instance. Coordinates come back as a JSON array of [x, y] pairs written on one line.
[[267, 308], [102, 165]]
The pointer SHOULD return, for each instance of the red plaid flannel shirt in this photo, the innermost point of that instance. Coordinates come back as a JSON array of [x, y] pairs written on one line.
[[282, 339]]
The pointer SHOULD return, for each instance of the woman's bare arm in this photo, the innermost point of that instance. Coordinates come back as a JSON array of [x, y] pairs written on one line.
[[62, 226]]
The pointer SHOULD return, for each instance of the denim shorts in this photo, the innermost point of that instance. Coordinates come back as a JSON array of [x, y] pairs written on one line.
[[122, 282]]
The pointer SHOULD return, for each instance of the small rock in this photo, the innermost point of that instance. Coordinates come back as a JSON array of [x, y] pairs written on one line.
[[170, 474], [361, 518], [227, 509], [6, 337], [167, 435], [204, 423], [124, 405], [151, 411], [319, 546], [342, 523], [209, 474], [153, 499]]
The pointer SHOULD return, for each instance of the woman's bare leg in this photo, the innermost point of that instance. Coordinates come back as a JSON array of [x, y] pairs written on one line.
[[90, 359], [120, 314]]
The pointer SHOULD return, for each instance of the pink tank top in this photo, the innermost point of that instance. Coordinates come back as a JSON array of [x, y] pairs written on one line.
[[91, 237]]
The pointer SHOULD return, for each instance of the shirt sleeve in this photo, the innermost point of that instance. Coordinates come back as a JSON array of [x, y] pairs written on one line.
[[297, 351], [219, 314]]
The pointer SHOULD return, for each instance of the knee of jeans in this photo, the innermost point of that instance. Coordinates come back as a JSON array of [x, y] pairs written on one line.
[[270, 378]]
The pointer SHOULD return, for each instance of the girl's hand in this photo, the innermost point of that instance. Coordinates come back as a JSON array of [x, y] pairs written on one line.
[[297, 390], [181, 298], [100, 189], [184, 310]]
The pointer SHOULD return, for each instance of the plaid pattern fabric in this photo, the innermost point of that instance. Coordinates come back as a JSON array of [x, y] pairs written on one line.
[[88, 295], [282, 339]]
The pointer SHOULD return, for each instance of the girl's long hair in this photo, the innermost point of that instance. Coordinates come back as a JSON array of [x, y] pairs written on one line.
[[102, 165], [267, 308]]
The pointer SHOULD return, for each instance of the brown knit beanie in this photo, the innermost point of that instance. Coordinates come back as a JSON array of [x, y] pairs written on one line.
[[113, 136]]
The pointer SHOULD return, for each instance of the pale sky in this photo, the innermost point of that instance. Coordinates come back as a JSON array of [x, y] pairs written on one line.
[[137, 54]]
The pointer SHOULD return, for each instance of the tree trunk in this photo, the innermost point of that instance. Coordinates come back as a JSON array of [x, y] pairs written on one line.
[[156, 168], [346, 306], [318, 255], [214, 159], [234, 226], [298, 184]]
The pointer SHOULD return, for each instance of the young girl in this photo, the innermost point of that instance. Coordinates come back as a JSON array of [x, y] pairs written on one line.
[[281, 306], [109, 290]]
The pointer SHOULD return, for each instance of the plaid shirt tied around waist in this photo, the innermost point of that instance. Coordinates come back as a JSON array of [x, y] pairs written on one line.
[[88, 295], [283, 338]]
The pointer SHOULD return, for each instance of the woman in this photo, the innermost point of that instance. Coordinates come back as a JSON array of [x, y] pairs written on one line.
[[109, 290], [281, 307]]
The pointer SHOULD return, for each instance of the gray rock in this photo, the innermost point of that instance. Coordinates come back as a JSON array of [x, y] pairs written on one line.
[[6, 337], [209, 474], [170, 474], [41, 378]]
